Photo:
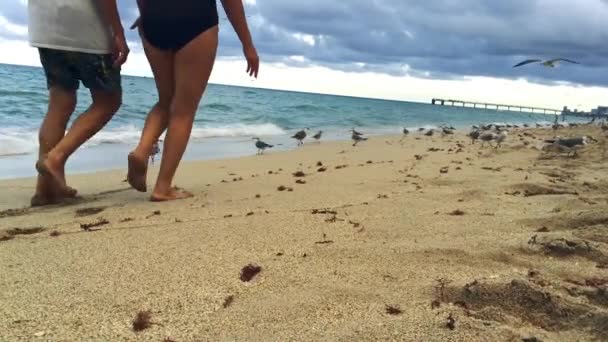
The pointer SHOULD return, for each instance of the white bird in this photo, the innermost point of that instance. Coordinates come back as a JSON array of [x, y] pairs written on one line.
[[551, 63]]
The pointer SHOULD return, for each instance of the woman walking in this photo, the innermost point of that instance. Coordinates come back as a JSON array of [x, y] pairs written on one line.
[[180, 39]]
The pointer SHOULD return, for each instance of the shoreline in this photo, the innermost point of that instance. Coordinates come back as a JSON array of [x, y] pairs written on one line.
[[86, 160], [383, 241]]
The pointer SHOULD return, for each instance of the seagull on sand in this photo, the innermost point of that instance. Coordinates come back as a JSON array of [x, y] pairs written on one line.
[[500, 138], [405, 133], [301, 135], [261, 145], [488, 137], [355, 132], [357, 137], [566, 145], [551, 63], [557, 148], [446, 130], [317, 136], [474, 135], [570, 142]]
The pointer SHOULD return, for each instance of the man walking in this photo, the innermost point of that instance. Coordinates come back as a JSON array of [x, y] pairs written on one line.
[[78, 41]]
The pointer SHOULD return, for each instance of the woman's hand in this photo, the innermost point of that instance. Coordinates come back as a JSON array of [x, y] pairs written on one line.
[[253, 60], [136, 23]]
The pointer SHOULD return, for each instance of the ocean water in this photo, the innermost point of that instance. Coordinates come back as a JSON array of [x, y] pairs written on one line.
[[227, 119]]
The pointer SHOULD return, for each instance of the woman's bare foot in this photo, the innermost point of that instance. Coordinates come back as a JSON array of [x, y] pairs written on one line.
[[138, 170], [173, 194]]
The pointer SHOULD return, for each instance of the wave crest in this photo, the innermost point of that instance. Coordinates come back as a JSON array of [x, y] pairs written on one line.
[[19, 141]]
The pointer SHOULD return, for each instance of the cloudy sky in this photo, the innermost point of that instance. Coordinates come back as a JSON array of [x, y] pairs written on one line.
[[399, 49]]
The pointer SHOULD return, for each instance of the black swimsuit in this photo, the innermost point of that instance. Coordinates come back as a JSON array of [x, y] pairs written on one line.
[[171, 24]]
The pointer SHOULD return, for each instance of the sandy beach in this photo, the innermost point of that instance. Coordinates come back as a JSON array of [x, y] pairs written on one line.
[[420, 239]]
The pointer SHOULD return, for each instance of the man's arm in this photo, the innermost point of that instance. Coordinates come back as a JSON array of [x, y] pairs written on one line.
[[111, 16], [236, 14]]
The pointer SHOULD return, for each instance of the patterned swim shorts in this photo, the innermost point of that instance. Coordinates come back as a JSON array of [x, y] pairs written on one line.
[[67, 69]]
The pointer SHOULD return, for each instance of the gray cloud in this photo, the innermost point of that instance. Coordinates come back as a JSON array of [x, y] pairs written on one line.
[[434, 38]]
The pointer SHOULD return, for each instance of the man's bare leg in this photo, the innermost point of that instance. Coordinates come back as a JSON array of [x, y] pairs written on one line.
[[105, 104], [62, 104]]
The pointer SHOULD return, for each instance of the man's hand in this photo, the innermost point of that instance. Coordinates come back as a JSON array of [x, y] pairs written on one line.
[[253, 60], [120, 50]]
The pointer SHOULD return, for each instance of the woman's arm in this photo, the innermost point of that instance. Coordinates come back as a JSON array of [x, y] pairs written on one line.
[[140, 6], [236, 14]]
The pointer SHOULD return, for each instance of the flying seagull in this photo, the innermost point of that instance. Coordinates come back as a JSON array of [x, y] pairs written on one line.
[[551, 63], [261, 145]]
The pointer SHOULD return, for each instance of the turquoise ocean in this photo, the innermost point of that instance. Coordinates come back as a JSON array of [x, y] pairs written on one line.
[[227, 119]]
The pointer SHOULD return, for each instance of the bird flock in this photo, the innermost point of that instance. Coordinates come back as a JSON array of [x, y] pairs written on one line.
[[487, 134], [300, 136], [493, 135]]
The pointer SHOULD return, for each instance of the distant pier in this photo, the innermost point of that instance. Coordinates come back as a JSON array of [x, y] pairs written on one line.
[[497, 106]]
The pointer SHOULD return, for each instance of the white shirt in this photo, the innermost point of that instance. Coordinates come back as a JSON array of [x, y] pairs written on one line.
[[72, 25]]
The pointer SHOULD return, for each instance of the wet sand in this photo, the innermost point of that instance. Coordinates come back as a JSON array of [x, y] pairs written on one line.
[[428, 238]]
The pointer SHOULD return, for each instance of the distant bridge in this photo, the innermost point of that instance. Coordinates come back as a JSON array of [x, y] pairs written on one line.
[[497, 106]]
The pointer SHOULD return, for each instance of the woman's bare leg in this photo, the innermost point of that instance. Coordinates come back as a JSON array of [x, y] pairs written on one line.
[[193, 66], [161, 63]]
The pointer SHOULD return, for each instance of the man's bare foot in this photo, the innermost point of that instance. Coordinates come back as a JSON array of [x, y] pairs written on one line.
[[56, 177], [46, 194], [138, 170], [174, 194], [39, 200]]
